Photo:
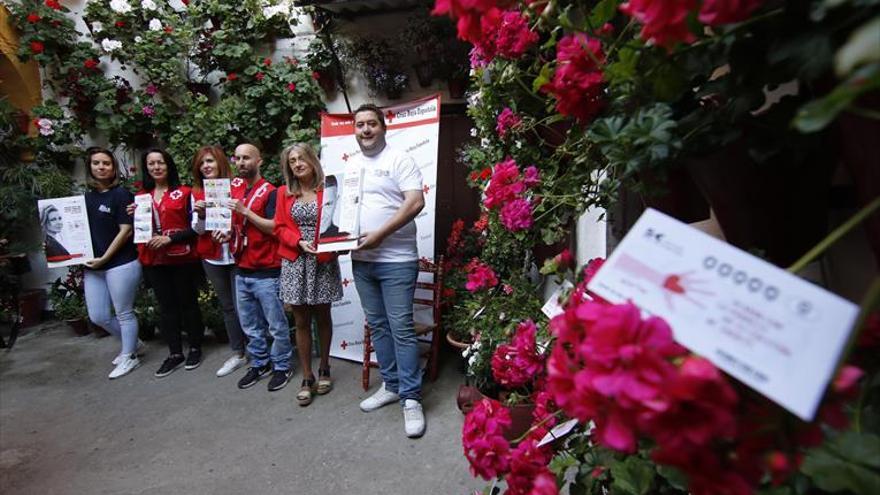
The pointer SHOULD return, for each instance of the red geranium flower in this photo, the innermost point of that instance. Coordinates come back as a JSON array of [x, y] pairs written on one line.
[[232, 76], [37, 46], [168, 29], [259, 76], [90, 63], [291, 87], [53, 4], [120, 24], [718, 12], [33, 18], [316, 75], [267, 62], [664, 22], [578, 82]]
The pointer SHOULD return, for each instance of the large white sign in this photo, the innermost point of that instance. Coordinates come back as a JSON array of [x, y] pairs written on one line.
[[775, 332], [66, 237], [413, 127]]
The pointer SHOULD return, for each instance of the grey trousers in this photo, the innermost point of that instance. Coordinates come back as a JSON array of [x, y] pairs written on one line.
[[222, 278]]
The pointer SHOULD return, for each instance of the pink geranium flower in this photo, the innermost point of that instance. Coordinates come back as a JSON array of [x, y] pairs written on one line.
[[480, 276], [483, 440], [517, 364], [507, 120], [517, 215]]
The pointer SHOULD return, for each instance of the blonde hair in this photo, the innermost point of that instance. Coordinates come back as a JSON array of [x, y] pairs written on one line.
[[294, 188]]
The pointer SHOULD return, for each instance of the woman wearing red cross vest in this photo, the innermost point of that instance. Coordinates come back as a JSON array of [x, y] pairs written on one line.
[[170, 261], [218, 260]]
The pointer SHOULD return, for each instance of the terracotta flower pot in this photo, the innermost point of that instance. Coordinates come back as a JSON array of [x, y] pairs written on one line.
[[520, 414], [31, 303], [460, 345], [80, 326]]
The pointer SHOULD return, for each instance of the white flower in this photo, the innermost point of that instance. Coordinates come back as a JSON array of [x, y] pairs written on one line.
[[138, 39], [97, 27], [109, 45], [472, 360], [155, 25], [473, 132], [120, 6], [148, 5], [274, 10], [45, 126]]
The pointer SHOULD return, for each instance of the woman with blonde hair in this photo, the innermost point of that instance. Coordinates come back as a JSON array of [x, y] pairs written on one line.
[[309, 281], [210, 162]]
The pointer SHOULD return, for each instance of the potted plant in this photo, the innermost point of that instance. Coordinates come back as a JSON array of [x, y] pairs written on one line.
[[322, 61], [68, 300], [381, 65]]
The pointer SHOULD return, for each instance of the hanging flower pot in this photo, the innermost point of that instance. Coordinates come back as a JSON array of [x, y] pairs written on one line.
[[424, 73], [327, 81], [457, 87]]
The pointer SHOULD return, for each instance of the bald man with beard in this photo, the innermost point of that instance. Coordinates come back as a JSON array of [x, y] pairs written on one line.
[[258, 267]]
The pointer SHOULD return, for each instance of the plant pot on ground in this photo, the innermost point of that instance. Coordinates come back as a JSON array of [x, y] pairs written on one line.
[[80, 326]]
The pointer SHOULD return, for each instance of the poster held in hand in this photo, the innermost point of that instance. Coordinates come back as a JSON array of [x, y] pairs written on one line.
[[339, 212], [218, 215], [65, 225], [143, 218]]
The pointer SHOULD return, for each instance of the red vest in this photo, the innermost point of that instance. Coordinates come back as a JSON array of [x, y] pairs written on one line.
[[206, 247], [260, 250], [172, 217]]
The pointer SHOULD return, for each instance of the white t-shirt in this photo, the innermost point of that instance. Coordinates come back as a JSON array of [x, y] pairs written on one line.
[[386, 176]]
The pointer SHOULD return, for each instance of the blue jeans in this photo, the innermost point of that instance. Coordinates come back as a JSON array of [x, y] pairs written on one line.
[[115, 287], [386, 291], [262, 314]]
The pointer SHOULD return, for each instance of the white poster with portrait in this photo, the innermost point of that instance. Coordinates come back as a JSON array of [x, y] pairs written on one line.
[[65, 226], [415, 128]]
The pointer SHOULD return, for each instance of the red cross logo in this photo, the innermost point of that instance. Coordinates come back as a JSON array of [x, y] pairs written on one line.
[[344, 344], [176, 194], [425, 189], [238, 181], [389, 116], [345, 282], [345, 157]]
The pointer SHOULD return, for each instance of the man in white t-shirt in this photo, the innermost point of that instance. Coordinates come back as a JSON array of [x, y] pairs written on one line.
[[385, 265]]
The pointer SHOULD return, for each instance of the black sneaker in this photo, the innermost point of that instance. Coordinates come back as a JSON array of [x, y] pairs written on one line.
[[279, 379], [253, 376], [170, 364], [193, 359]]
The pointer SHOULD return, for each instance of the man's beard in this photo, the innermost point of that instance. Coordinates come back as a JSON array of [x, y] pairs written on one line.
[[247, 173]]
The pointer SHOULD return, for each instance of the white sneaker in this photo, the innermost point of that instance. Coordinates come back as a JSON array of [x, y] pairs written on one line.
[[139, 350], [126, 365], [413, 418], [233, 363], [381, 398]]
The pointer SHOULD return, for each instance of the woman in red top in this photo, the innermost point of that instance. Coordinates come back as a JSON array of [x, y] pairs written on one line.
[[171, 264], [210, 163], [309, 281]]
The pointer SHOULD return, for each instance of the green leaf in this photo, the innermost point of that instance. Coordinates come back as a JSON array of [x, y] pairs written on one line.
[[634, 476], [543, 77], [603, 12], [673, 476], [817, 114], [833, 468]]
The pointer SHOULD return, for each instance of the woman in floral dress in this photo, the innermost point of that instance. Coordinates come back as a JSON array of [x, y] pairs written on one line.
[[310, 281]]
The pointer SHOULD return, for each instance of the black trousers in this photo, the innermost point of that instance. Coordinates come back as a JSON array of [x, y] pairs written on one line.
[[177, 290]]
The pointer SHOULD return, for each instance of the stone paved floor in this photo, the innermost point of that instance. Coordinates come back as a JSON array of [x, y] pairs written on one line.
[[66, 429]]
